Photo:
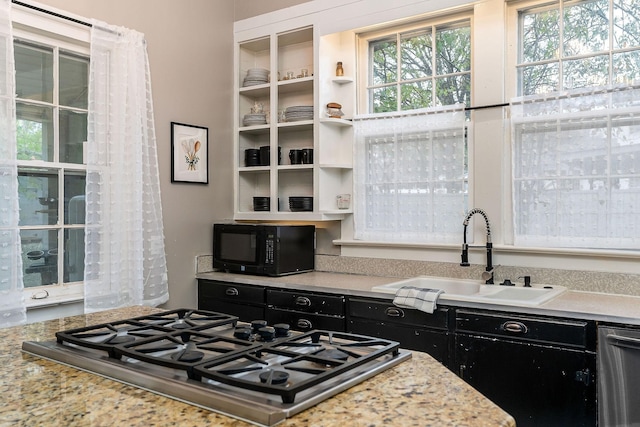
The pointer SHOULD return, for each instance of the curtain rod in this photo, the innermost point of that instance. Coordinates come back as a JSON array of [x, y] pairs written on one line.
[[49, 12]]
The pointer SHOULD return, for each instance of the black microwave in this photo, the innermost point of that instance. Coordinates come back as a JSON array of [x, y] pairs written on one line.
[[264, 249]]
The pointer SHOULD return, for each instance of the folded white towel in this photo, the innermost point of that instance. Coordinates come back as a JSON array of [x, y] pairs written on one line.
[[421, 298]]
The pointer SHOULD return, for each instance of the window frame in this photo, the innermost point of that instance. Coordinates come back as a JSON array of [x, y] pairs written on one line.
[[436, 22], [513, 86], [33, 26]]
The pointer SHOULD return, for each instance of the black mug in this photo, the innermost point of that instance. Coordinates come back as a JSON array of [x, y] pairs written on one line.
[[295, 157], [265, 155], [252, 157], [307, 155]]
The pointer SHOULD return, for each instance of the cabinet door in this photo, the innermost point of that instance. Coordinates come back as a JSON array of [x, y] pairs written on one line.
[[244, 301], [413, 329], [433, 342], [538, 385]]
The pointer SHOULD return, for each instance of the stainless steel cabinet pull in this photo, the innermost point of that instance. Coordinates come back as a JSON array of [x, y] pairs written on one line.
[[304, 324], [232, 292], [394, 312], [515, 327], [303, 301]]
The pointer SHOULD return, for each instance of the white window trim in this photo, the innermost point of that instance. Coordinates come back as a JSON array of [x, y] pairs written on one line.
[[71, 36]]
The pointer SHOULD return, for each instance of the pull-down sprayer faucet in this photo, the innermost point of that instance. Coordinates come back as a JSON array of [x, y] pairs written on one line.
[[488, 274]]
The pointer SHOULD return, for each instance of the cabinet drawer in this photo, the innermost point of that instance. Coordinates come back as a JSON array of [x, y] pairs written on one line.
[[247, 294], [244, 312], [574, 333], [305, 321], [434, 342], [306, 302], [385, 311]]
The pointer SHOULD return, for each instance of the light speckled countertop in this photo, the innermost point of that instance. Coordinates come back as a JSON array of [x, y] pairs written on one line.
[[574, 304], [38, 392]]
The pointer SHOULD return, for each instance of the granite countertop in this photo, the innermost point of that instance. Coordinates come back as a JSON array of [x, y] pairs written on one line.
[[574, 304], [35, 391]]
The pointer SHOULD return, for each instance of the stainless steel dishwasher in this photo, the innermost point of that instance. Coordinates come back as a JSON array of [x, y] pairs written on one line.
[[619, 376]]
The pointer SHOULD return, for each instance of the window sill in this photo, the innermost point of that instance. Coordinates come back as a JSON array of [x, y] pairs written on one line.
[[56, 295]]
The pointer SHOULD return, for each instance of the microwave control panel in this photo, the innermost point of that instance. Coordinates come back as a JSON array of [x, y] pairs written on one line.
[[269, 249]]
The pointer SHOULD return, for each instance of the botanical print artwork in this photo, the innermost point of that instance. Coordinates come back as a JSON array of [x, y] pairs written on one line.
[[191, 147], [189, 153]]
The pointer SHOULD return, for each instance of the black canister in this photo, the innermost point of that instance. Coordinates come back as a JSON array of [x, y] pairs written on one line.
[[265, 155], [252, 157], [307, 155]]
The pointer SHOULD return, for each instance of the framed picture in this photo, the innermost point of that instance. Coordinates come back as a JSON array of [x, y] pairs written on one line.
[[189, 153]]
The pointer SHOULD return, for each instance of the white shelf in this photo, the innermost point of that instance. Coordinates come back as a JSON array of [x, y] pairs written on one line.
[[332, 170], [293, 216], [342, 80], [336, 122]]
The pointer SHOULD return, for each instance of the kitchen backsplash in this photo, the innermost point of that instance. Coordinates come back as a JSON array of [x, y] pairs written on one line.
[[591, 281]]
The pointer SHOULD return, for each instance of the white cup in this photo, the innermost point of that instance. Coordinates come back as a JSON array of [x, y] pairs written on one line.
[[343, 201]]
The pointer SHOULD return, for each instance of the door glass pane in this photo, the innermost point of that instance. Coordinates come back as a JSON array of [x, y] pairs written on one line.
[[38, 197], [74, 80], [73, 132], [34, 132], [39, 257], [34, 72], [74, 202]]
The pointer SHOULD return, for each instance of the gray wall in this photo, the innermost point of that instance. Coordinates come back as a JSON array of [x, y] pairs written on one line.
[[190, 46]]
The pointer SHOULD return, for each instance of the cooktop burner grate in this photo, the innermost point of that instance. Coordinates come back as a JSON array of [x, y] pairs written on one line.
[[251, 370], [307, 359]]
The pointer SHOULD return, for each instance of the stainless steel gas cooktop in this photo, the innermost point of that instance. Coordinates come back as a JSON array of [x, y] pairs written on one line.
[[256, 372]]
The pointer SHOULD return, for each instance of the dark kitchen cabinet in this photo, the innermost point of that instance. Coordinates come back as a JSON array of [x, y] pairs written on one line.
[[245, 301], [304, 311], [540, 370], [413, 329]]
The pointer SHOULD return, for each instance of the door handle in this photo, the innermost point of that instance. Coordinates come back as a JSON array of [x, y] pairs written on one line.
[[624, 342]]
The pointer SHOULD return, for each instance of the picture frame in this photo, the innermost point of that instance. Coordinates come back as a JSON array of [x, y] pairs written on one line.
[[189, 153]]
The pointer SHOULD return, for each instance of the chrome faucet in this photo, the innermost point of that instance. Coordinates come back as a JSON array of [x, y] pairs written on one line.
[[488, 273]]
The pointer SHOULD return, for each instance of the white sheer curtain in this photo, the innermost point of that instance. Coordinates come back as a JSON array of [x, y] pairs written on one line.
[[124, 242], [12, 307], [576, 168], [410, 176]]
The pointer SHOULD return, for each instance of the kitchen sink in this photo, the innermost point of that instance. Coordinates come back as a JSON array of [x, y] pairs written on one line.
[[447, 284], [477, 291]]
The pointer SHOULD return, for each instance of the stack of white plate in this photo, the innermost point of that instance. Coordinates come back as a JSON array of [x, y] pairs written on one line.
[[298, 112], [254, 119], [256, 76]]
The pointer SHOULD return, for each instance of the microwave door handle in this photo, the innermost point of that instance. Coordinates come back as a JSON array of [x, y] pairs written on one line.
[[624, 342]]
